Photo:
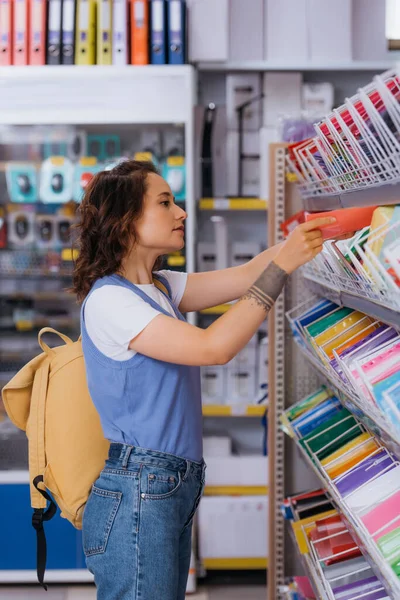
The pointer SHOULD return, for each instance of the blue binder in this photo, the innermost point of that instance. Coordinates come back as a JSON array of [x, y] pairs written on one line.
[[158, 32], [177, 32]]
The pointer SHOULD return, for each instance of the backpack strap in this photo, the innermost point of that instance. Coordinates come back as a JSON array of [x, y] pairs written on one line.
[[37, 455], [47, 348], [162, 285]]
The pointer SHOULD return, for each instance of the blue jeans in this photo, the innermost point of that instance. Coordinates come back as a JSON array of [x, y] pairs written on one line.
[[137, 524]]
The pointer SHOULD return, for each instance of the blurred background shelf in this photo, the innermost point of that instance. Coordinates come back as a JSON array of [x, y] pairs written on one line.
[[266, 65], [233, 204], [221, 410], [220, 564], [236, 490]]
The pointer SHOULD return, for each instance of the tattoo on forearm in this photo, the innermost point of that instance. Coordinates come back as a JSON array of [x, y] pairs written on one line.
[[268, 286]]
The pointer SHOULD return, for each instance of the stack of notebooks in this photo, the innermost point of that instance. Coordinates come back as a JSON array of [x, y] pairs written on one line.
[[366, 475], [356, 350], [90, 32]]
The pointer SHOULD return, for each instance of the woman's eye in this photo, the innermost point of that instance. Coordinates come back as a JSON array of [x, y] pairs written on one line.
[[166, 203]]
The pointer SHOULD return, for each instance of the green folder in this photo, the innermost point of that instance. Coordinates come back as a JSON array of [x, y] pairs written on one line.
[[329, 432], [389, 545]]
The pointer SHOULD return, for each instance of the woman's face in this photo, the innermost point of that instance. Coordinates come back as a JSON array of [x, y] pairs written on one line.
[[161, 226]]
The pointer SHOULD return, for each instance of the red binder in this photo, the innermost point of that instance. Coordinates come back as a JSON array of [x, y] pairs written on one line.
[[6, 14], [37, 32], [20, 32], [139, 32]]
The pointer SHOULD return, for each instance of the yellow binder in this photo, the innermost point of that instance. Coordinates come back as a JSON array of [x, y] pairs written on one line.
[[104, 32], [85, 51]]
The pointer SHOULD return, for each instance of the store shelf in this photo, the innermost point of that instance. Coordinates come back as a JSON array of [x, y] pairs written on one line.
[[233, 204], [96, 94], [263, 65], [378, 195], [360, 535], [52, 576], [235, 564], [223, 410], [236, 490], [388, 315]]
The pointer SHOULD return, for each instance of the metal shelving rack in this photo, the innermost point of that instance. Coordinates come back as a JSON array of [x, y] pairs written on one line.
[[359, 533], [381, 308]]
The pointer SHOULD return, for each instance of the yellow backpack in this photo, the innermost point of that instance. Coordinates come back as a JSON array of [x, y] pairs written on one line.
[[49, 399]]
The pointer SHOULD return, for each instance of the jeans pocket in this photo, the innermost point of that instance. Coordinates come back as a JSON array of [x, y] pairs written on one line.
[[160, 486], [98, 519]]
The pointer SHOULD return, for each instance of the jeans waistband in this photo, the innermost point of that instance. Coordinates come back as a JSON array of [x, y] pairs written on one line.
[[128, 455]]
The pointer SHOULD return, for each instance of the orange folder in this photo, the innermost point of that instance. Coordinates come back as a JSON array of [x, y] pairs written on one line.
[[20, 32], [37, 32], [139, 32], [347, 220], [6, 14]]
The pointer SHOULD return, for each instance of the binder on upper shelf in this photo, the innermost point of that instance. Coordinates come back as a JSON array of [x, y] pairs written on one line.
[[37, 32], [140, 32], [120, 32], [104, 32], [177, 32], [85, 46], [54, 33], [68, 32], [20, 32], [6, 31], [158, 32]]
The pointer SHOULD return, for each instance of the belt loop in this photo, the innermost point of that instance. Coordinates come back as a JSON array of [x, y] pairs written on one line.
[[188, 465], [126, 455]]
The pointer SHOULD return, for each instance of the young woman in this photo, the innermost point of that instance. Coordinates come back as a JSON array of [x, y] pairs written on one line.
[[143, 370]]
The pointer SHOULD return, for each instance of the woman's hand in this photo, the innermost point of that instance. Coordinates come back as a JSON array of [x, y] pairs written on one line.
[[302, 245]]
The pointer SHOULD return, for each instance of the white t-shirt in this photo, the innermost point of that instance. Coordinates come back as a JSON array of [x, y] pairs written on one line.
[[114, 315]]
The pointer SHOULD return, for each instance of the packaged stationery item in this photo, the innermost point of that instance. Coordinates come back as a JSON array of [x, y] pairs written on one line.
[[381, 217], [367, 470], [349, 455], [307, 403], [320, 325], [391, 399], [348, 220], [320, 309], [350, 335], [389, 545], [332, 541], [316, 416], [379, 337], [331, 435], [385, 517], [375, 491], [369, 588], [392, 255]]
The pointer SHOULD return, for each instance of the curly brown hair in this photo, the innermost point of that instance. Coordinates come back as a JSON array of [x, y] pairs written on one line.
[[112, 202]]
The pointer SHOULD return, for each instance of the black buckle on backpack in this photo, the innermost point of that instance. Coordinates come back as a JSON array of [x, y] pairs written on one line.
[[40, 515]]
